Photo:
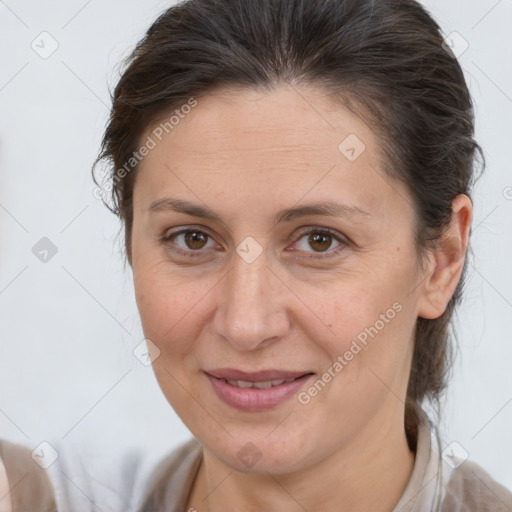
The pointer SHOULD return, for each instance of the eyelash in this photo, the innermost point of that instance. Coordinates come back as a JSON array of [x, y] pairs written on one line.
[[166, 239]]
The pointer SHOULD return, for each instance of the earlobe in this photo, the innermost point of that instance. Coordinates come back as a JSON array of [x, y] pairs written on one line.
[[448, 258]]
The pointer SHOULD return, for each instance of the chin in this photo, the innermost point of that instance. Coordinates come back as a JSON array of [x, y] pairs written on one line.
[[258, 454]]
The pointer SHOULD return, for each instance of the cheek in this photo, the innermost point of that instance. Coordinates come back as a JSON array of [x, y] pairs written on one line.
[[354, 311], [169, 310], [171, 307], [371, 318], [367, 357]]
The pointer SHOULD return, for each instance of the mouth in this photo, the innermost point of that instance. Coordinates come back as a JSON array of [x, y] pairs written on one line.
[[255, 391], [265, 384]]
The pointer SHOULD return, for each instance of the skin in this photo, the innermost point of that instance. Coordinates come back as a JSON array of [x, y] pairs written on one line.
[[246, 155]]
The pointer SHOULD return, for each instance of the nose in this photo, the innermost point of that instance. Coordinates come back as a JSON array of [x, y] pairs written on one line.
[[251, 309]]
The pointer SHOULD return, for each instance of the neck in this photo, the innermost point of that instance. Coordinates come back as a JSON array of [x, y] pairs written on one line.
[[370, 474]]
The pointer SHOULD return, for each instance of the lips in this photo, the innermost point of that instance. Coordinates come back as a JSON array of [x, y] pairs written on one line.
[[244, 384], [256, 391], [261, 376]]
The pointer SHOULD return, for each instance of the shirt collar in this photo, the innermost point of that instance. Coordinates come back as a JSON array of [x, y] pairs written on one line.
[[425, 490]]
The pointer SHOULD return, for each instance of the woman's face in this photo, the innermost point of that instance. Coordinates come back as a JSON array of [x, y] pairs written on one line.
[[263, 286]]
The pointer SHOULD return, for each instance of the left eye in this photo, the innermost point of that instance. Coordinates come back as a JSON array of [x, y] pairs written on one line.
[[319, 240]]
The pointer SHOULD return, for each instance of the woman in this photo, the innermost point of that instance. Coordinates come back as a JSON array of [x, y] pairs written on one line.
[[294, 181]]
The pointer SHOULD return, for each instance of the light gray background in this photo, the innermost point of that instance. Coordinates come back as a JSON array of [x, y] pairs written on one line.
[[69, 326]]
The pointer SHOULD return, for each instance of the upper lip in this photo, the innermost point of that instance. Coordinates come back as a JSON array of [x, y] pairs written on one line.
[[261, 376]]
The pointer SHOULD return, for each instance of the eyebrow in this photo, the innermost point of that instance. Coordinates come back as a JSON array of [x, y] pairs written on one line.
[[328, 208]]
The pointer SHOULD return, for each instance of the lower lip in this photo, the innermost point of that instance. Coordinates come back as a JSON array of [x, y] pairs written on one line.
[[252, 399]]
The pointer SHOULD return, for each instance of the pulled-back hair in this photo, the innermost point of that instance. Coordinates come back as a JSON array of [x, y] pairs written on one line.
[[383, 59]]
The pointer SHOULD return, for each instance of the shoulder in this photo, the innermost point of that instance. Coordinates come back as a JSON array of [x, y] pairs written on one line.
[[28, 484], [471, 489], [5, 498], [57, 476], [170, 482]]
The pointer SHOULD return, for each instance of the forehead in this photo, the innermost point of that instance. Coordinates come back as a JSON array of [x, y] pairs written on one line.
[[301, 120], [261, 144]]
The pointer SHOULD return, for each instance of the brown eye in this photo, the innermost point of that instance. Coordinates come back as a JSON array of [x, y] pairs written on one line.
[[320, 241], [188, 242], [195, 239]]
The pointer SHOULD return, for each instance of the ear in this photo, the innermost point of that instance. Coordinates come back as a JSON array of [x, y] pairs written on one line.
[[447, 261]]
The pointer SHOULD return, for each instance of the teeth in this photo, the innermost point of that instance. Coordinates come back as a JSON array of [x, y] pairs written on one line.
[[244, 384], [263, 385], [240, 383]]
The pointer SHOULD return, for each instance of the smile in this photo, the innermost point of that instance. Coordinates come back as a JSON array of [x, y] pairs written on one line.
[[258, 391], [245, 384]]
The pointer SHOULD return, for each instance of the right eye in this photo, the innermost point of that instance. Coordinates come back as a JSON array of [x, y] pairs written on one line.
[[186, 242]]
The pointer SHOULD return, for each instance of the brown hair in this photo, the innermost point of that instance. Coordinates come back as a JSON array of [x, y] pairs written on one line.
[[385, 59]]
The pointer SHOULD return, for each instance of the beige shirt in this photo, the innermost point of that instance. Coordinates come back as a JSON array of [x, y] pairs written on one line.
[[438, 483]]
